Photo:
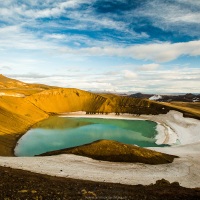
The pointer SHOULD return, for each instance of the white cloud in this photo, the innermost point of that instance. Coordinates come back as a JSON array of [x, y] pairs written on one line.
[[55, 36], [149, 67], [79, 20], [189, 18], [180, 80], [191, 2], [76, 39], [129, 74], [52, 9], [181, 16], [159, 52], [5, 68], [26, 38], [55, 11], [14, 37]]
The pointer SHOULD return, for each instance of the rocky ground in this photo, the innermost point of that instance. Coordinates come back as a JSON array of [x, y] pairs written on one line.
[[19, 184]]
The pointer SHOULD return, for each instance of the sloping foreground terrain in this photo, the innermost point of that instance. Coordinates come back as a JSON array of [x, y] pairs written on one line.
[[19, 184], [113, 151]]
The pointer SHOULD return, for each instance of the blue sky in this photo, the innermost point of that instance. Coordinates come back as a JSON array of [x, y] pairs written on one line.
[[150, 46]]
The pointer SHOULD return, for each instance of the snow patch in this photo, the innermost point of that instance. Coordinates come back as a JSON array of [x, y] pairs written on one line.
[[171, 126], [155, 97]]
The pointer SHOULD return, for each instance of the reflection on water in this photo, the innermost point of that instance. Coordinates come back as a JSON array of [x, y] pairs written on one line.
[[62, 132]]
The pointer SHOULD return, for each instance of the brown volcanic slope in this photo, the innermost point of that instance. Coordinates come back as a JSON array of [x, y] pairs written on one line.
[[17, 115], [66, 100], [189, 107], [113, 151], [121, 104]]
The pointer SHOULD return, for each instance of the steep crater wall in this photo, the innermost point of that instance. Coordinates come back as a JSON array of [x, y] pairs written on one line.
[[66, 100], [17, 115]]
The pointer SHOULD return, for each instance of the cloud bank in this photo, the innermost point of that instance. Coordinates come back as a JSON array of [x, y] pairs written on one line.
[[159, 52], [121, 45]]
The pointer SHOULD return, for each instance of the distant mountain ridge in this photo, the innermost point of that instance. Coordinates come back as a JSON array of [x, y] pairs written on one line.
[[189, 97], [141, 95]]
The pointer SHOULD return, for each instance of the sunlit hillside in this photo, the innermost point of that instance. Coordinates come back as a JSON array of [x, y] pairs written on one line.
[[16, 116], [13, 87], [66, 100]]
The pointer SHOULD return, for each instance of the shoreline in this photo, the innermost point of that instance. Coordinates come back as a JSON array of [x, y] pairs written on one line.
[[167, 134], [160, 127], [82, 114], [185, 169], [19, 136]]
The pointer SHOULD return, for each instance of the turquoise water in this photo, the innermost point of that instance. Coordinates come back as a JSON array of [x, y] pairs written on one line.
[[64, 132]]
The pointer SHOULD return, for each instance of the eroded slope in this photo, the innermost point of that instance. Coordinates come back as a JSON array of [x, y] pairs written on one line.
[[66, 100]]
